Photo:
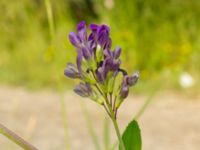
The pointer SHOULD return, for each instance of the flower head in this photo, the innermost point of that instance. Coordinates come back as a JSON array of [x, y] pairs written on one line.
[[98, 66]]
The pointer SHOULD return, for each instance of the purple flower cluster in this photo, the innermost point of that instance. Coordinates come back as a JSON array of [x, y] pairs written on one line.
[[98, 67]]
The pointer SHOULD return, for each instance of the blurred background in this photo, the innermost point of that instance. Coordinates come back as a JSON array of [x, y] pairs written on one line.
[[161, 39]]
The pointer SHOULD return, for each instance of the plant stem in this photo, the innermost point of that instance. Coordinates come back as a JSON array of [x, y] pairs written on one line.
[[118, 134], [112, 114], [106, 134], [111, 99], [121, 143], [16, 139], [50, 18], [107, 110]]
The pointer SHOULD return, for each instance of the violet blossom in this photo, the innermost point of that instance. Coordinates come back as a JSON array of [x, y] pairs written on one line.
[[98, 66]]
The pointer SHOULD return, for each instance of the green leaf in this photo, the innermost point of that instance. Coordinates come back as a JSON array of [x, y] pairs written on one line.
[[131, 137]]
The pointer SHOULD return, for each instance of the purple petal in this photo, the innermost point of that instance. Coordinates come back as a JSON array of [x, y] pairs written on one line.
[[102, 38], [74, 39], [101, 74], [91, 45], [103, 28], [112, 64], [86, 53], [82, 31], [117, 52], [133, 79], [81, 25], [71, 71], [78, 60], [94, 27], [91, 37], [83, 90], [103, 35], [124, 92], [116, 64], [107, 53], [108, 43]]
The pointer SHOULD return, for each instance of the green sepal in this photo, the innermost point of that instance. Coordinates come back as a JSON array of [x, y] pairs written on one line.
[[109, 82], [92, 64], [118, 102], [99, 54], [97, 99], [89, 78], [117, 84]]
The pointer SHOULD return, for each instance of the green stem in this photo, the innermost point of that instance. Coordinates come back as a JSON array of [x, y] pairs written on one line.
[[121, 143], [112, 116], [50, 18], [106, 134], [16, 139], [118, 133]]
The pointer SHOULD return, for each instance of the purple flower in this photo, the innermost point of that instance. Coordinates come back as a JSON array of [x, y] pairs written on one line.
[[83, 90], [80, 41], [100, 36], [108, 65], [75, 40], [82, 31], [86, 53], [98, 66], [80, 38], [117, 52], [128, 82], [71, 71], [114, 55], [132, 80], [101, 74], [124, 92], [79, 60], [111, 59], [103, 36]]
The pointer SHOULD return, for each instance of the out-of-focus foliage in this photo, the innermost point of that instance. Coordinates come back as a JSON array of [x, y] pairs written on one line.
[[159, 38]]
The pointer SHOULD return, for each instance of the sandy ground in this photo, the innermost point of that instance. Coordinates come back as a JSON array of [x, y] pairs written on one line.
[[171, 122]]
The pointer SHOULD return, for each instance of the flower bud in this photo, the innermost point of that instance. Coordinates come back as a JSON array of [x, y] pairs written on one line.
[[83, 90], [103, 35], [124, 92], [74, 39], [82, 32], [86, 53], [117, 52], [101, 74], [71, 71], [132, 80]]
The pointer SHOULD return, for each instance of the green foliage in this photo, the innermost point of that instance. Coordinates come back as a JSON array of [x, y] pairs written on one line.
[[131, 137]]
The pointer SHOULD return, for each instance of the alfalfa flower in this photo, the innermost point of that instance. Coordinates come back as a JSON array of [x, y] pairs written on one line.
[[98, 67]]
